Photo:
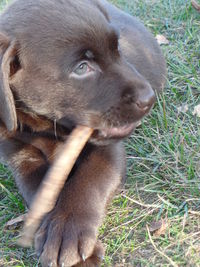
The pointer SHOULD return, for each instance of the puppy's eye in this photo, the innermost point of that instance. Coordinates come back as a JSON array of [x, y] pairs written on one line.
[[82, 69]]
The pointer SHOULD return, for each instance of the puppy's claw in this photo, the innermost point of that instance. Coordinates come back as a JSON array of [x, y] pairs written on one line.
[[100, 255], [101, 258], [83, 257]]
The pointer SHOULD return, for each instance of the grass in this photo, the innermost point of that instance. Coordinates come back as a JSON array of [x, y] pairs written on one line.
[[163, 180]]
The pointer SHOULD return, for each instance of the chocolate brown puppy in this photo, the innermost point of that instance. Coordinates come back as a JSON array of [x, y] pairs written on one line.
[[65, 63]]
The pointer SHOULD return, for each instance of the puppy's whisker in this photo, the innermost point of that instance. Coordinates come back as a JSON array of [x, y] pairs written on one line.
[[55, 128]]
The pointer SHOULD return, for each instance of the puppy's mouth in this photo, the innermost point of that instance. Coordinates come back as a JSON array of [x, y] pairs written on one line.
[[116, 132]]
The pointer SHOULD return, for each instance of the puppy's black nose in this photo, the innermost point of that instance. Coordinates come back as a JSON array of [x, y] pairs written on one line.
[[146, 98]]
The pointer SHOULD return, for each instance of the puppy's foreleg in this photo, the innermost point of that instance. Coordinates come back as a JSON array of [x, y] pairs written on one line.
[[72, 227], [27, 164]]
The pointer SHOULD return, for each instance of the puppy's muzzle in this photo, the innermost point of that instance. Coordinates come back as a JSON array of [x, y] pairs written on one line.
[[129, 111]]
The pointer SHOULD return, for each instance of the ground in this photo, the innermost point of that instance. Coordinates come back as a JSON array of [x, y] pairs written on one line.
[[163, 181]]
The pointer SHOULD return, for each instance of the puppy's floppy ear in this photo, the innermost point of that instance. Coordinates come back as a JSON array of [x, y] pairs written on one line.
[[8, 53]]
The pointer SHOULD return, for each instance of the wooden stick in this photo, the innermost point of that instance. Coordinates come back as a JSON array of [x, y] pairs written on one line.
[[196, 5], [50, 188]]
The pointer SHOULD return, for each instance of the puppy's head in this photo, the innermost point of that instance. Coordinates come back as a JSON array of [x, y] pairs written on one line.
[[63, 61]]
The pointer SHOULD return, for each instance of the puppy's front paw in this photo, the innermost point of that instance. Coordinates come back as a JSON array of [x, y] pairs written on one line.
[[66, 240]]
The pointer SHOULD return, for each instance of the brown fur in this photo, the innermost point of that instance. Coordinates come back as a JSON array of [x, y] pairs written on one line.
[[42, 99]]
